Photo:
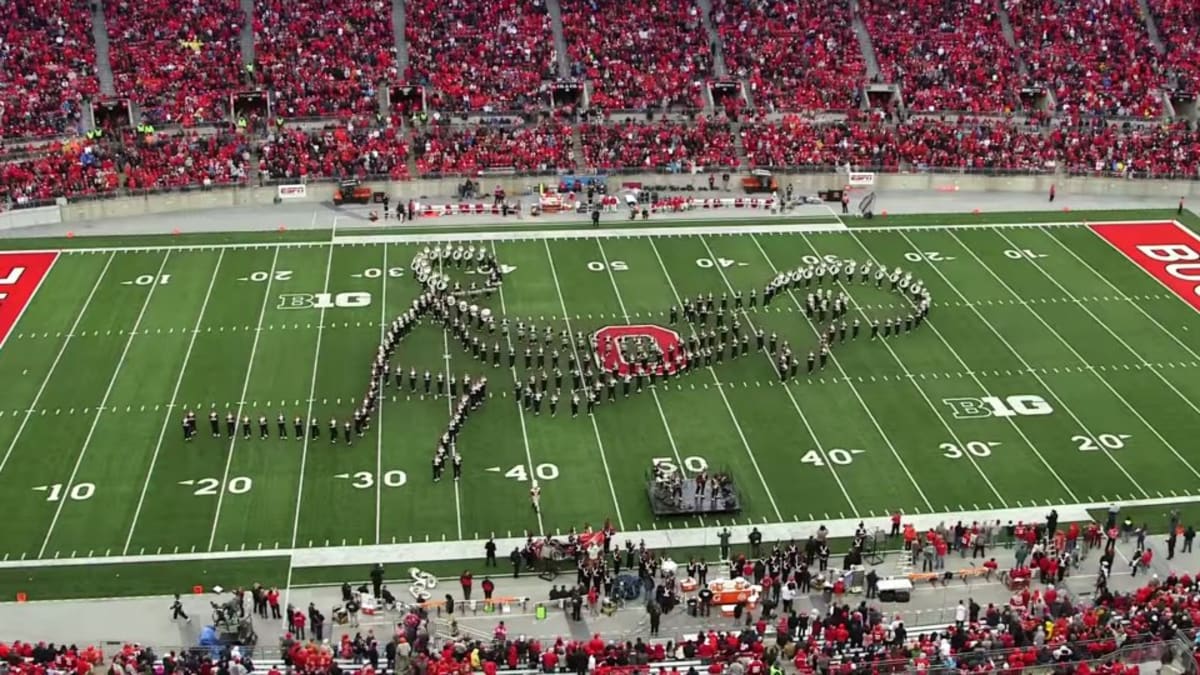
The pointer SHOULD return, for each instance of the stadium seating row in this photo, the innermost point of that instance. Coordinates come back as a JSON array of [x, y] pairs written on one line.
[[180, 62], [86, 168]]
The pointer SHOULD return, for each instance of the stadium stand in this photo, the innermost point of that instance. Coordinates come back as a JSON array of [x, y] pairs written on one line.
[[323, 58], [178, 60], [335, 152], [1094, 55], [794, 55], [460, 150], [948, 56], [672, 147], [328, 62], [481, 56], [639, 55], [1178, 25], [47, 67]]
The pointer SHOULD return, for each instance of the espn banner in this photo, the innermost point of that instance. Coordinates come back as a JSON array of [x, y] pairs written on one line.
[[293, 191]]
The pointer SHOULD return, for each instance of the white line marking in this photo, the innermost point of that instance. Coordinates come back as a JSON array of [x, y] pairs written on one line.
[[450, 411], [971, 373], [104, 401], [54, 364], [662, 415], [853, 389], [579, 359], [187, 356], [312, 393], [517, 402], [732, 416], [1025, 363], [937, 413], [383, 323], [262, 311], [1104, 381]]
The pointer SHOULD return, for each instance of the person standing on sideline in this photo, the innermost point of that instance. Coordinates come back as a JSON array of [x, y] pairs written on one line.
[[1179, 211], [466, 581], [488, 587], [895, 515], [655, 612], [177, 612], [1189, 535], [960, 615], [489, 550], [1052, 192], [273, 601], [376, 580], [515, 559], [755, 543], [723, 536]]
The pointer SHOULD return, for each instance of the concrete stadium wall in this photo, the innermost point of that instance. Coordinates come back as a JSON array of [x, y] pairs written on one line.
[[42, 215], [444, 189]]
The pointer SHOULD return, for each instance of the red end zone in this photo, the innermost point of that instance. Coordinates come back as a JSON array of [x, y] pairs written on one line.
[[1166, 250], [21, 275]]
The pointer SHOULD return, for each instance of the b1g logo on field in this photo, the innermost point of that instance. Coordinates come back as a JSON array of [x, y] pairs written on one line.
[[347, 300], [665, 343], [1025, 405]]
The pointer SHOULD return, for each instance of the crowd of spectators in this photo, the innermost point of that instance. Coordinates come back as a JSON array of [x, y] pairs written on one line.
[[671, 146], [794, 55], [47, 64], [1165, 151], [1178, 23], [323, 58], [481, 56], [335, 152], [948, 55], [81, 168], [95, 168], [1094, 55], [469, 150], [639, 55], [179, 60]]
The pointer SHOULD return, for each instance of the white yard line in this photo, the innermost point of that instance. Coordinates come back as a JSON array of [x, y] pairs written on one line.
[[383, 325], [17, 321], [103, 402], [595, 428], [450, 411], [966, 368], [820, 448], [721, 389], [920, 390], [1116, 337], [662, 415], [57, 357], [1025, 364], [173, 406], [521, 412], [312, 393], [1126, 298], [262, 312], [853, 389]]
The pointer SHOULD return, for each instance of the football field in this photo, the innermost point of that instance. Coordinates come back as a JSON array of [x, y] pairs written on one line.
[[1054, 369]]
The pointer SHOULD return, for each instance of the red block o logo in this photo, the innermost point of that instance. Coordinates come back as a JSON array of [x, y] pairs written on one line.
[[608, 346]]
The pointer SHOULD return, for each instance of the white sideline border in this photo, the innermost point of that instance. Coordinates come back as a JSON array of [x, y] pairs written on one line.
[[437, 550], [587, 233]]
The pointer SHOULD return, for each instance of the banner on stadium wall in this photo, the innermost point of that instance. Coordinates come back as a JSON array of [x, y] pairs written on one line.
[[861, 179], [293, 191]]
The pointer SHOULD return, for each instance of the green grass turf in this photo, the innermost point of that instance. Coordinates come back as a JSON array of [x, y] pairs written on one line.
[[886, 400]]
